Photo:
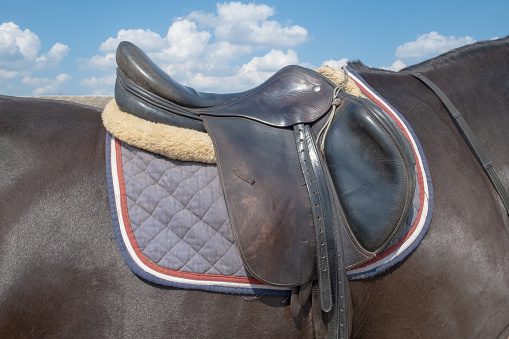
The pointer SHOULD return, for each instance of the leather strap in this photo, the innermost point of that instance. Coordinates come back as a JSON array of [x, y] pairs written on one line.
[[327, 217], [302, 136], [333, 215], [470, 139], [338, 325], [319, 326]]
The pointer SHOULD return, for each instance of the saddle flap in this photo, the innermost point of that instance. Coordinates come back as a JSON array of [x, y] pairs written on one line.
[[267, 199], [373, 169]]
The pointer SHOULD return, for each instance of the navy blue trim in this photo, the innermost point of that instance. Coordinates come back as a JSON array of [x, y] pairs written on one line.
[[151, 278], [417, 241]]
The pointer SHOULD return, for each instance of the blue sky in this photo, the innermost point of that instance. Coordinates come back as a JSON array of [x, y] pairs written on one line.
[[67, 47]]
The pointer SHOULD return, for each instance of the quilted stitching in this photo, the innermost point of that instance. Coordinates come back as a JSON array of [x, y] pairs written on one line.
[[178, 214]]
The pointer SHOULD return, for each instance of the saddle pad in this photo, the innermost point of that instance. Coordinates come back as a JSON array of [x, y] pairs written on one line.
[[171, 222], [172, 226]]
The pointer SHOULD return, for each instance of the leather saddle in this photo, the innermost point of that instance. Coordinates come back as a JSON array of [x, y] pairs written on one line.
[[315, 180]]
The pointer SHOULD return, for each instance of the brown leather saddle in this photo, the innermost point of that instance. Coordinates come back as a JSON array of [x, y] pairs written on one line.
[[315, 180]]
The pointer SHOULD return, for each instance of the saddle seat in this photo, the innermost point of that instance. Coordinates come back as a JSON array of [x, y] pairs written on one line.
[[368, 160]]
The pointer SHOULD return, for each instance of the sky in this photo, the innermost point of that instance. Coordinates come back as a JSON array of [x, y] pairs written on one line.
[[68, 47]]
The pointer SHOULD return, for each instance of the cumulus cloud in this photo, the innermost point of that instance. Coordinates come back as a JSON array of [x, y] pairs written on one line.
[[102, 85], [17, 45], [248, 24], [9, 74], [338, 64], [19, 50], [425, 46], [205, 50], [145, 39], [20, 57], [53, 57], [276, 58], [250, 74], [429, 44], [261, 68], [45, 85], [104, 62], [395, 67]]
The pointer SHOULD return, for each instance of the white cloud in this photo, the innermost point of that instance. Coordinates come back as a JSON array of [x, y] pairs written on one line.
[[429, 44], [248, 24], [260, 69], [20, 58], [145, 39], [204, 50], [251, 74], [19, 50], [45, 85], [9, 74], [396, 66], [53, 57], [338, 64], [271, 61], [101, 86], [105, 62], [185, 41], [16, 45]]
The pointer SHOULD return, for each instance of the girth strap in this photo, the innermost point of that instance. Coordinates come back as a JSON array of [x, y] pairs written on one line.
[[470, 139]]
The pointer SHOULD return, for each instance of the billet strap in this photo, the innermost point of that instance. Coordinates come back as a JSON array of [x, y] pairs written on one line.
[[470, 139]]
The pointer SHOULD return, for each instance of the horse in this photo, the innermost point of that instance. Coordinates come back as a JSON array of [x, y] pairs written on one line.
[[62, 274]]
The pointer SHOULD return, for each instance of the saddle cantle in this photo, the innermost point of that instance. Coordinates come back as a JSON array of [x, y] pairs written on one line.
[[296, 215]]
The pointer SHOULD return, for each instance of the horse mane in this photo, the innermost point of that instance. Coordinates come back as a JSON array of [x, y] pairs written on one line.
[[359, 66], [453, 55]]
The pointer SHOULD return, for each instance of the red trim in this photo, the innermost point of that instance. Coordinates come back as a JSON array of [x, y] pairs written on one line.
[[148, 262]]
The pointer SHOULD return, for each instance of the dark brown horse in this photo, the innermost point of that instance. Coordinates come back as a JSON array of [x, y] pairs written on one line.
[[62, 274]]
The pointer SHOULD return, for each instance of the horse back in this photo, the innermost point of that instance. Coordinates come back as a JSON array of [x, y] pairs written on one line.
[[62, 273]]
